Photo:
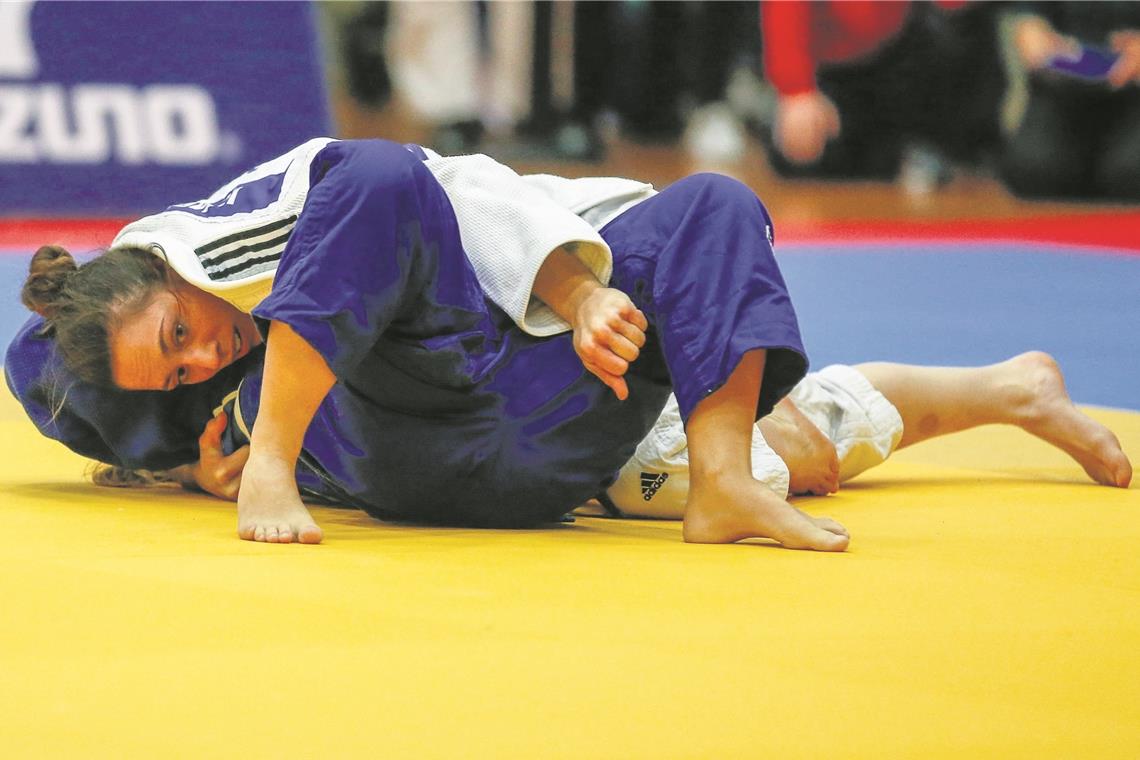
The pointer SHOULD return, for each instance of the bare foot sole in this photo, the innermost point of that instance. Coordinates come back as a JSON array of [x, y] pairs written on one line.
[[726, 510], [813, 465], [1047, 412]]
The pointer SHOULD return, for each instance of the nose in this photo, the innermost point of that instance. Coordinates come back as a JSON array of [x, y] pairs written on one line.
[[203, 360]]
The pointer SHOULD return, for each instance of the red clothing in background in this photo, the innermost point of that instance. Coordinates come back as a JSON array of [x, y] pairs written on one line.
[[800, 34]]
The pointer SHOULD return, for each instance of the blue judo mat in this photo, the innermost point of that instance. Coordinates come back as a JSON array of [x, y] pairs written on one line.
[[948, 303], [965, 303]]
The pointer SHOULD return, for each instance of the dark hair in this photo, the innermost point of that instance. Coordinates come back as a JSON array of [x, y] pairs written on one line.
[[83, 303]]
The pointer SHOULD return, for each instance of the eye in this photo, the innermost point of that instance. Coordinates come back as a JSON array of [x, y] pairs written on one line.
[[179, 333]]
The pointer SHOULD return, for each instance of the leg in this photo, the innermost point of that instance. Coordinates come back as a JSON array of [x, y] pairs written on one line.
[[726, 503], [1049, 154], [697, 260], [1118, 165], [1027, 391]]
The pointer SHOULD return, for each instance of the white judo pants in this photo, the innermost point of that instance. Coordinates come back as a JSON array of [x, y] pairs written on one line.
[[864, 427]]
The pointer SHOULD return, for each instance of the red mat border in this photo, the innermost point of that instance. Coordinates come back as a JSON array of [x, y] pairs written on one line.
[[1119, 232]]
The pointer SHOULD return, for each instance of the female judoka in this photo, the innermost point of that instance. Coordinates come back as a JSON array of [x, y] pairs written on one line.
[[834, 424], [363, 260]]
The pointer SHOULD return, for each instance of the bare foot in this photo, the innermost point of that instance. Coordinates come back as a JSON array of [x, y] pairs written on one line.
[[269, 506], [723, 510], [1045, 410], [813, 465]]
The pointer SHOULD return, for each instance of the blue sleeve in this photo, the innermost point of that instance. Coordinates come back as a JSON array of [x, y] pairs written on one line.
[[366, 241]]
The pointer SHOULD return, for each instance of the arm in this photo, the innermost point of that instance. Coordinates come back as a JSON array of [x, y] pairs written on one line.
[[609, 330], [786, 29], [296, 380], [805, 118]]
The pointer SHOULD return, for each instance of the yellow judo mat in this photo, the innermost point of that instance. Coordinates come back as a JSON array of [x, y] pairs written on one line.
[[989, 606]]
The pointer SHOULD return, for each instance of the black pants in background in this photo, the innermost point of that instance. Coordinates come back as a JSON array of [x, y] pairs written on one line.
[[1077, 141]]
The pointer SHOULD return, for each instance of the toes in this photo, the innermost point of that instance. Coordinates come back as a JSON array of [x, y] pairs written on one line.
[[831, 542], [310, 534], [1124, 474], [280, 533], [806, 532], [818, 540], [832, 526], [825, 487]]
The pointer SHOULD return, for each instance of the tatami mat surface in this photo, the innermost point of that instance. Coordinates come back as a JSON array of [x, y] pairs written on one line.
[[989, 607]]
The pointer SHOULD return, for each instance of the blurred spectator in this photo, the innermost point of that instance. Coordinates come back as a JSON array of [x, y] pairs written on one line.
[[1079, 137], [437, 55], [362, 47], [627, 60], [725, 89], [652, 63], [860, 82]]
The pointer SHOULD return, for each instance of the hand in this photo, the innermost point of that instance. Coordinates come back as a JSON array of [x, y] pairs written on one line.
[[295, 380], [1037, 43], [1127, 67], [609, 332], [804, 124], [214, 472]]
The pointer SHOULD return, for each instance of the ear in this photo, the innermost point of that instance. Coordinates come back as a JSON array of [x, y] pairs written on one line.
[[162, 268], [158, 258]]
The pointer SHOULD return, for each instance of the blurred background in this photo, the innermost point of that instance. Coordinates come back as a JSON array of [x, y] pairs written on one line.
[[943, 108], [934, 108], [881, 135]]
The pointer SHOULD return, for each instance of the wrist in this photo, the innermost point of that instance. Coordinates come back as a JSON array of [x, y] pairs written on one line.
[[577, 298], [564, 283]]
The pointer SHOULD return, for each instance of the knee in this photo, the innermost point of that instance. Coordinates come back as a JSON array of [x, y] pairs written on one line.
[[1119, 179], [1035, 176], [717, 189], [712, 196], [1038, 163]]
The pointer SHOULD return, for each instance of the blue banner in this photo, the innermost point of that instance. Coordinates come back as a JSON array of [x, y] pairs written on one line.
[[118, 108]]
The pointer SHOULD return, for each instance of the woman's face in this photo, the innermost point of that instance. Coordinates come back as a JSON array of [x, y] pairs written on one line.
[[183, 335]]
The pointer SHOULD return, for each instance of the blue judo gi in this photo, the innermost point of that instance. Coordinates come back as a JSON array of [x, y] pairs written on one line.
[[447, 412]]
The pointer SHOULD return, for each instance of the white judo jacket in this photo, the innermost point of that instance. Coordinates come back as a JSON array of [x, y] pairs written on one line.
[[508, 224]]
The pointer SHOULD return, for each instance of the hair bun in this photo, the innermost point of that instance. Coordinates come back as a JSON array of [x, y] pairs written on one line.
[[51, 266]]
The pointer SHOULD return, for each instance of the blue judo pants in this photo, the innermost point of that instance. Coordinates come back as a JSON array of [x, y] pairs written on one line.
[[445, 411]]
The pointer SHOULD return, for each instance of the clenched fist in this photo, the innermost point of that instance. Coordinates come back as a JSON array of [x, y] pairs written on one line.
[[609, 332]]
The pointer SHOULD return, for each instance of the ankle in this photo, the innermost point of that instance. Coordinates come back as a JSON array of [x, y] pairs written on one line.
[[718, 474]]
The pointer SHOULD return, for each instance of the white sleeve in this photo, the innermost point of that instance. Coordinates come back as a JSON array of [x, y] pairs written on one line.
[[508, 228]]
